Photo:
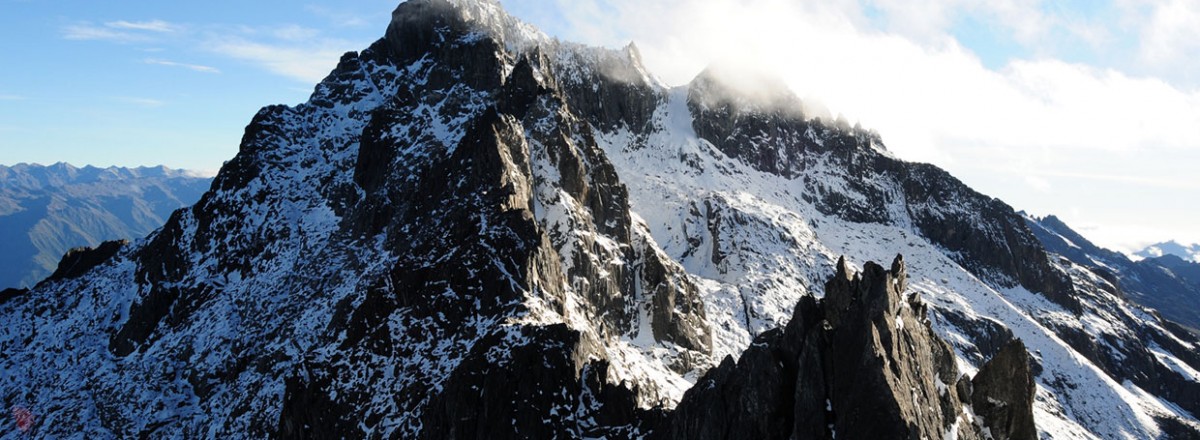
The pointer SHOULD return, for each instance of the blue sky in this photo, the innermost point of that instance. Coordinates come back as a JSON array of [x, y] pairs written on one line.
[[1085, 109]]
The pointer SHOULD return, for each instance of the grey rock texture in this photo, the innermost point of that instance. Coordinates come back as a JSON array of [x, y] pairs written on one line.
[[1168, 284], [434, 246], [861, 363], [79, 261], [1003, 391]]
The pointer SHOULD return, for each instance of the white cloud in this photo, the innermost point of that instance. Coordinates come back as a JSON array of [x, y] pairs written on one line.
[[143, 102], [150, 26], [87, 32], [337, 17], [308, 63], [932, 99], [1171, 35], [120, 31], [4, 97], [195, 67], [295, 33], [1038, 183]]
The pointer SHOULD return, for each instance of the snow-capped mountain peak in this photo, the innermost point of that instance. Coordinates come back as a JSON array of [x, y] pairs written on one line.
[[471, 230]]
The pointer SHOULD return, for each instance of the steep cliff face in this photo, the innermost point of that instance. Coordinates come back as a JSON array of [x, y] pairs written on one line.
[[760, 234], [474, 230]]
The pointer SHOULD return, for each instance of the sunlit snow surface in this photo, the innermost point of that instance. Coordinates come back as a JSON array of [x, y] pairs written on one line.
[[783, 248]]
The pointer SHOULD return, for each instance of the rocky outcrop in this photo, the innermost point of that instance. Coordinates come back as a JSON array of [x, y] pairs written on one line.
[[11, 293], [535, 382], [80, 260], [861, 363], [1108, 278], [1002, 393]]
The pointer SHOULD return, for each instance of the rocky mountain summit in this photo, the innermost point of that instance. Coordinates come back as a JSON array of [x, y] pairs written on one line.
[[473, 230], [47, 210], [863, 362]]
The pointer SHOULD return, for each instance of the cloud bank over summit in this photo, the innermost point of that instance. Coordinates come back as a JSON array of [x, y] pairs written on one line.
[[1059, 104]]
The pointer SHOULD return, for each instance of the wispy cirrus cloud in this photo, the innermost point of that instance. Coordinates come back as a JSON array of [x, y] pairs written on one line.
[[301, 53], [293, 51], [142, 102], [88, 32], [150, 26], [338, 18], [6, 97], [120, 31], [194, 67], [307, 63]]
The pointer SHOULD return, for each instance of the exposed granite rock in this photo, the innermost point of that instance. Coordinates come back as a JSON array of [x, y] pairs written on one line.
[[861, 363], [79, 261], [309, 412], [1003, 391], [11, 293], [534, 382], [441, 250]]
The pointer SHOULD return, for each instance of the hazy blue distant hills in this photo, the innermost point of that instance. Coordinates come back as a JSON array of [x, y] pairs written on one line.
[[47, 210], [1189, 253]]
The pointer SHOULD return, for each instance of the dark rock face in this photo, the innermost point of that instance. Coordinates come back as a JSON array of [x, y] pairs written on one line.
[[446, 208], [79, 261], [1002, 393], [861, 363], [11, 293], [537, 383], [437, 246]]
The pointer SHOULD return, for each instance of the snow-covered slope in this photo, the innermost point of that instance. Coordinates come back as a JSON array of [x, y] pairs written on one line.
[[756, 245], [471, 229]]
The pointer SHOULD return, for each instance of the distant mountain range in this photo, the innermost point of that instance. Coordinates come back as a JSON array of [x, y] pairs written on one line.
[[47, 210], [1164, 280], [1189, 253]]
